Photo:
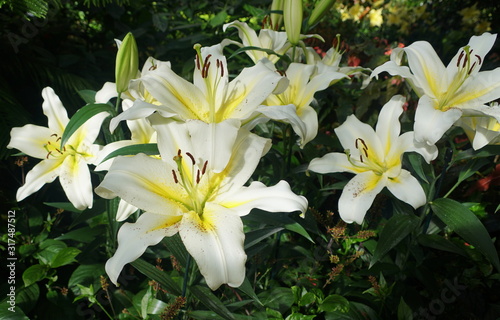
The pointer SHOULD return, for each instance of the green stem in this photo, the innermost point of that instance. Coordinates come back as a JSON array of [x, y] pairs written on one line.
[[103, 309], [439, 183]]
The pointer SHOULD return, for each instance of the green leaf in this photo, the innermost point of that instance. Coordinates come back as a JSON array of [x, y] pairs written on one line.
[[335, 302], [246, 287], [307, 298], [463, 221], [64, 256], [27, 297], [404, 311], [202, 315], [471, 168], [66, 206], [146, 299], [146, 148], [300, 316], [34, 274], [159, 276], [81, 116], [49, 249], [278, 219], [395, 230], [256, 236], [416, 163], [87, 95], [206, 296], [218, 19], [12, 312], [85, 234], [486, 151], [279, 298], [437, 242], [175, 245], [85, 274], [273, 314]]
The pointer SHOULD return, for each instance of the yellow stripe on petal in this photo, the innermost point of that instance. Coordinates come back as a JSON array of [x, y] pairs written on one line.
[[168, 222]]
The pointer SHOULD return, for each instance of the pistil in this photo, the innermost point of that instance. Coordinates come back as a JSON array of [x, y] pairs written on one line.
[[190, 181]]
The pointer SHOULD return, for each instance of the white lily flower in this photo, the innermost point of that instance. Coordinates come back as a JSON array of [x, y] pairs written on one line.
[[447, 93], [481, 131], [212, 98], [276, 41], [294, 104], [69, 163], [331, 62], [375, 157], [141, 132], [196, 189]]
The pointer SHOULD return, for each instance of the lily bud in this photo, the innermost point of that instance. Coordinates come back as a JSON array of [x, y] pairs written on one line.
[[321, 8], [276, 18], [127, 63], [292, 17]]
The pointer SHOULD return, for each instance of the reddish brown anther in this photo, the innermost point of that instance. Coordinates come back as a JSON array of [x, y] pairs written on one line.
[[191, 157]]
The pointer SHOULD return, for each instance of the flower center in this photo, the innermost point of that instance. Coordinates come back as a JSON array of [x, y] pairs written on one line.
[[189, 177], [366, 160], [212, 80], [466, 63], [53, 147]]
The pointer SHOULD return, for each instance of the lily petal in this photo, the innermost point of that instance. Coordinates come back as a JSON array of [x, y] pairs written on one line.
[[426, 66], [54, 110], [212, 79], [278, 198], [124, 210], [44, 172], [388, 125], [479, 47], [213, 141], [492, 111], [352, 130], [430, 123], [332, 162], [358, 195], [74, 176], [107, 92], [171, 91], [395, 69], [143, 182], [477, 90], [247, 151], [30, 139], [215, 241], [135, 238], [305, 125], [406, 143], [407, 188], [310, 119], [249, 90], [86, 135], [140, 110]]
